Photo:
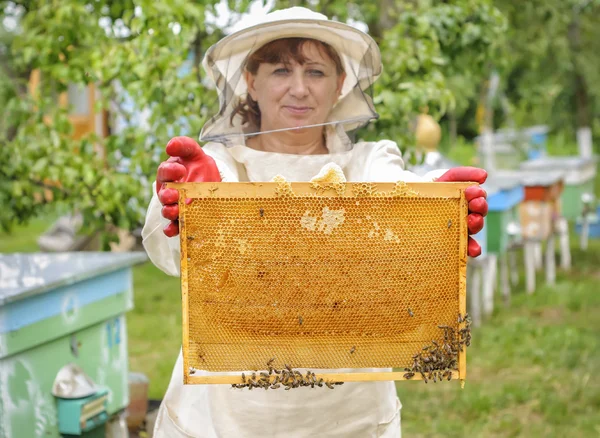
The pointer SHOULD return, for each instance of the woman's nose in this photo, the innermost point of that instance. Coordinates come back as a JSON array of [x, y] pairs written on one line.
[[298, 86]]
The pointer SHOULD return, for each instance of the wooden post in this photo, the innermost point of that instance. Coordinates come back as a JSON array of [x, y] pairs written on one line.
[[585, 232], [514, 270], [504, 282], [537, 252], [565, 249], [490, 276], [475, 293], [530, 265], [550, 261]]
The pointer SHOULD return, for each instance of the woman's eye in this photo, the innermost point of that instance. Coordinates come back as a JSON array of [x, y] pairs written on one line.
[[281, 71], [316, 73]]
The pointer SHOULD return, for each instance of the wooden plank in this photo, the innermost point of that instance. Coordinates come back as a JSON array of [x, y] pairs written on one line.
[[184, 290], [462, 287], [333, 377], [267, 189]]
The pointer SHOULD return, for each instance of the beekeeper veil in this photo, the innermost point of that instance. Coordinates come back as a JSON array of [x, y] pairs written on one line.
[[227, 61]]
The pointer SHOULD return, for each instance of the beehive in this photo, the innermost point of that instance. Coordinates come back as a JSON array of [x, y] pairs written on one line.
[[319, 276]]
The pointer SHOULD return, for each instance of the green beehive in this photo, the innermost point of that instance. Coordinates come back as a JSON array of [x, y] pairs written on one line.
[[57, 309], [504, 197], [579, 176]]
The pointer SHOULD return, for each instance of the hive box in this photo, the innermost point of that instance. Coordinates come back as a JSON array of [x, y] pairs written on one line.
[[578, 174], [56, 309]]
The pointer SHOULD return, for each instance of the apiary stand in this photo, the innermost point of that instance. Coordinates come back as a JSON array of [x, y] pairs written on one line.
[[540, 222], [578, 193]]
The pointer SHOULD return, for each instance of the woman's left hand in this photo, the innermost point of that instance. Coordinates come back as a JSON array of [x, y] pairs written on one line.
[[476, 197]]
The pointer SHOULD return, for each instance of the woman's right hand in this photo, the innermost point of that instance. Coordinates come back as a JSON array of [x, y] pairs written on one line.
[[187, 163]]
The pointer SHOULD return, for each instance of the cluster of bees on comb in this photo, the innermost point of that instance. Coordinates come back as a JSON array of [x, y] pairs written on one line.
[[286, 377], [437, 361]]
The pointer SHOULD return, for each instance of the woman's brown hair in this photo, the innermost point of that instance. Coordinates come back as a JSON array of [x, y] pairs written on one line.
[[284, 50]]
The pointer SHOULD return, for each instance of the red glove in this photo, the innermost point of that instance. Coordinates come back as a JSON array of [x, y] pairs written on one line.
[[187, 162], [476, 197]]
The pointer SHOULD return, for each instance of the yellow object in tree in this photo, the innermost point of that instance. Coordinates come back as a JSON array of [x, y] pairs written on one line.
[[428, 132]]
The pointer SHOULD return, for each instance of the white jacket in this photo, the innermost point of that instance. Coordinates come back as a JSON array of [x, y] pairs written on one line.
[[369, 409]]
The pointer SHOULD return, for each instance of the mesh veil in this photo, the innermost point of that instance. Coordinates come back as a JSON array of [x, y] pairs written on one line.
[[226, 61]]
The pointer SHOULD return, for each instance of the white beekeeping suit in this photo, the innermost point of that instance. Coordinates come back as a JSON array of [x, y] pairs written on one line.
[[368, 409]]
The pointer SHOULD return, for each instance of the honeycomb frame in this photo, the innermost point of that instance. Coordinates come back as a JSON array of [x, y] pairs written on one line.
[[345, 354]]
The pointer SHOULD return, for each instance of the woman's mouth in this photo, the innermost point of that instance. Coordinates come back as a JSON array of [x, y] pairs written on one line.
[[299, 110]]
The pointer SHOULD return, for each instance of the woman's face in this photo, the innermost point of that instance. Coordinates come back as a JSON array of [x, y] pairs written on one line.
[[294, 95]]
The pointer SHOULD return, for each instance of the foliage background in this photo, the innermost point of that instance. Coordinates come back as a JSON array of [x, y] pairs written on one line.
[[146, 55]]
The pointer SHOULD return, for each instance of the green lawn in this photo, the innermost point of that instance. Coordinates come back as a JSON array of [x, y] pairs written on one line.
[[531, 367]]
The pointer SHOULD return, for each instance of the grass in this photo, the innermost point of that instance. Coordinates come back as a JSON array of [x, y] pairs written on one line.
[[531, 367], [154, 326]]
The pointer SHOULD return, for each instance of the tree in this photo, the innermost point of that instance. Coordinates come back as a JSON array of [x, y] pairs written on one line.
[[554, 62], [134, 52]]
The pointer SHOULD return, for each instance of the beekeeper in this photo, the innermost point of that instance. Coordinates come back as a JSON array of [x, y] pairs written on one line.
[[291, 88]]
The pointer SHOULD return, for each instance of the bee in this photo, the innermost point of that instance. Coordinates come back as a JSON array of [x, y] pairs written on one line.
[[449, 375], [300, 320], [449, 223], [352, 350], [287, 387], [410, 312], [265, 375], [275, 386], [289, 368], [192, 371], [329, 385], [243, 378], [409, 375], [201, 357], [270, 362], [262, 212], [190, 237]]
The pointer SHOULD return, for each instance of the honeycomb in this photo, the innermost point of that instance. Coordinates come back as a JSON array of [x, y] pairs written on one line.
[[343, 275]]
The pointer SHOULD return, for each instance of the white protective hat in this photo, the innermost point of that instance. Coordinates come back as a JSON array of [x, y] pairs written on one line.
[[224, 63]]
